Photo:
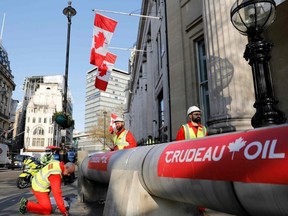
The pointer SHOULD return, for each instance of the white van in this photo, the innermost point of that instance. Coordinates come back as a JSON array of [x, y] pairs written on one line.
[[4, 156]]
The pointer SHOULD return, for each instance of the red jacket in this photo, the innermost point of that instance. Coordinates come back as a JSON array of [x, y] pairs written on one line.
[[129, 138], [181, 132], [55, 182]]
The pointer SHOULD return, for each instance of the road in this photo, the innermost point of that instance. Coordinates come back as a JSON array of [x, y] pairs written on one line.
[[10, 196], [9, 193]]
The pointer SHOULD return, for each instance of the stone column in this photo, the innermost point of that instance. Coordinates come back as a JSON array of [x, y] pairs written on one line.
[[231, 92]]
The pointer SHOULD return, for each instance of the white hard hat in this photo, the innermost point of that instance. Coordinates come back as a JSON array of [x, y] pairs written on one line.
[[119, 119], [193, 109]]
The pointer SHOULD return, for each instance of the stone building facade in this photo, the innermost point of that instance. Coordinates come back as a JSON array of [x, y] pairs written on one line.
[[194, 56], [42, 98], [7, 86]]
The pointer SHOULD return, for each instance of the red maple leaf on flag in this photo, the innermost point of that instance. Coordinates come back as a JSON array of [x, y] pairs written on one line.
[[99, 40], [103, 70]]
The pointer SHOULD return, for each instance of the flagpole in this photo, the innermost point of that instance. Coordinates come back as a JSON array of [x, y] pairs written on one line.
[[104, 113], [124, 13], [2, 28], [127, 49]]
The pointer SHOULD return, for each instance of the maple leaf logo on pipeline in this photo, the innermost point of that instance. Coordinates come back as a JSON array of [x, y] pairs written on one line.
[[251, 151], [236, 146]]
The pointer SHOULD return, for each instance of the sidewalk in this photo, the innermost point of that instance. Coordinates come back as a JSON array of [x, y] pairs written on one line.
[[78, 208]]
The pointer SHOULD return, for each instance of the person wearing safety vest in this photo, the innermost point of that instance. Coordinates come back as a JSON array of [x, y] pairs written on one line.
[[192, 130], [48, 179], [123, 139], [47, 157]]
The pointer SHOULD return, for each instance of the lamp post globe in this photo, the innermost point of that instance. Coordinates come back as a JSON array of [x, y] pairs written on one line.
[[69, 11], [251, 18]]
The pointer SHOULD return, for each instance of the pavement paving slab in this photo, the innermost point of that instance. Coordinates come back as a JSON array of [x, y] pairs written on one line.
[[80, 208], [77, 208]]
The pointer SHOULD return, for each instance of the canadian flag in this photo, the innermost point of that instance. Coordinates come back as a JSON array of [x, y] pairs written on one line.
[[104, 71], [112, 125], [104, 28]]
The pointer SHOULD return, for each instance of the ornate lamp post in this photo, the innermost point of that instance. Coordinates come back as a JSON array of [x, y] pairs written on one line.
[[68, 12], [104, 113], [251, 18]]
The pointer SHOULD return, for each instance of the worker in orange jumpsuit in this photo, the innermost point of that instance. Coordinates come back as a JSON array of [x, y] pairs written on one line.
[[123, 139], [48, 179]]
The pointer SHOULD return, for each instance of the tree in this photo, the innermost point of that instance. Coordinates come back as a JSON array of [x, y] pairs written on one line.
[[97, 132]]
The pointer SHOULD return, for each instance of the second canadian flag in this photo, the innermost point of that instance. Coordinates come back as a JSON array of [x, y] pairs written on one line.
[[112, 125], [104, 71]]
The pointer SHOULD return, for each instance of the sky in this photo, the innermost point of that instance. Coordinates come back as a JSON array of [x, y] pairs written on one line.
[[35, 37]]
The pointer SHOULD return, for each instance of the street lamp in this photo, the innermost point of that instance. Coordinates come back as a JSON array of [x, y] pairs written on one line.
[[68, 12], [251, 18], [104, 113]]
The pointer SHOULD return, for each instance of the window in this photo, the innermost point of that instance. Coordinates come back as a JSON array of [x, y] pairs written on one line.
[[50, 142], [203, 78], [157, 62], [161, 109], [162, 136], [38, 131], [160, 49], [38, 141]]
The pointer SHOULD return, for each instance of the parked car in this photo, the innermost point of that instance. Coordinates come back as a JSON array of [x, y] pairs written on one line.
[[17, 161], [4, 156]]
